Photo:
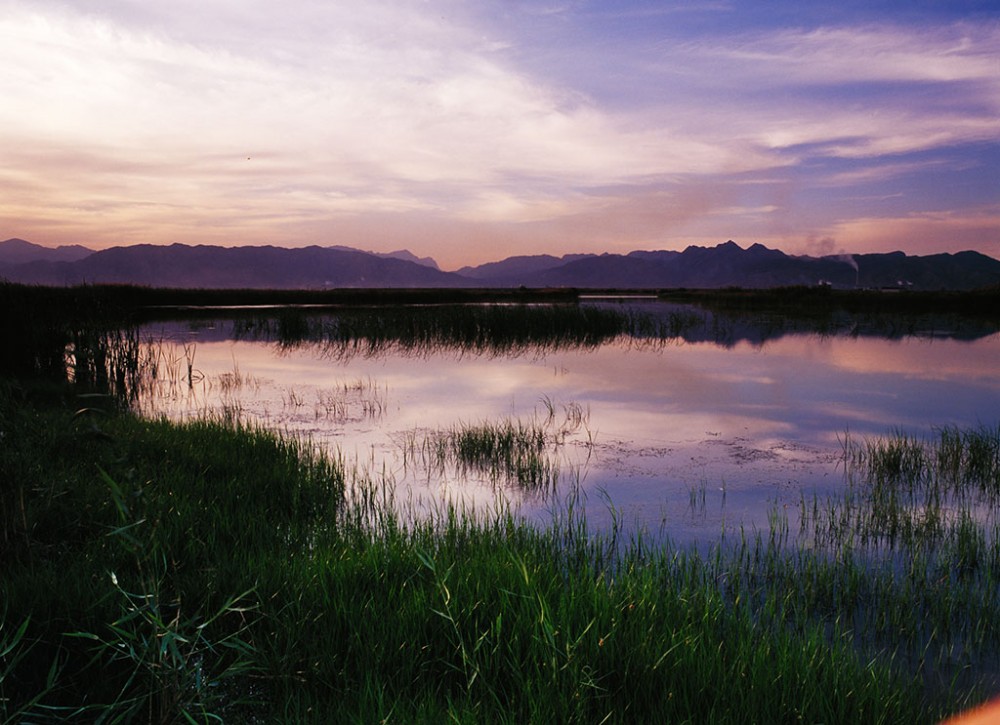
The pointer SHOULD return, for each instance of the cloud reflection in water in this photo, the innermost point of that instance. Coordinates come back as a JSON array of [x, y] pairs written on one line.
[[673, 426]]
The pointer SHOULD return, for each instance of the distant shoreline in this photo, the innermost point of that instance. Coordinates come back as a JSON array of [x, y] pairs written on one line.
[[115, 300]]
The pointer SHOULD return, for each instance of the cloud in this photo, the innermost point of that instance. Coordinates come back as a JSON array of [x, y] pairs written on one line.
[[190, 120], [862, 91], [833, 55], [337, 112], [421, 111], [927, 232]]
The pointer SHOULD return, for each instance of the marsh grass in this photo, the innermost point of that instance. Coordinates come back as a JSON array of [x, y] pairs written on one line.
[[232, 382], [507, 450], [256, 579], [491, 329], [524, 453], [353, 400], [169, 664], [165, 372], [45, 322], [916, 537], [515, 329]]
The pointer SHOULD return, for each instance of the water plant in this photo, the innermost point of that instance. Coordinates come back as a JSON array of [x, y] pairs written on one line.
[[466, 329], [255, 578], [510, 451], [361, 399], [916, 529], [360, 611]]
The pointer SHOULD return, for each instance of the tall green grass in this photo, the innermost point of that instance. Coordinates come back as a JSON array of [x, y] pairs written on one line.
[[155, 571], [523, 453], [916, 534]]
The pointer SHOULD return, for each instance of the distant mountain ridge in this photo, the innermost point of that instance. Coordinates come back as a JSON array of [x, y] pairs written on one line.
[[513, 267], [404, 254], [179, 265], [18, 251], [314, 267], [729, 265]]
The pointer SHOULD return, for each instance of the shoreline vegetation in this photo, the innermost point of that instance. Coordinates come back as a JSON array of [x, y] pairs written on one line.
[[132, 298], [211, 570], [46, 320]]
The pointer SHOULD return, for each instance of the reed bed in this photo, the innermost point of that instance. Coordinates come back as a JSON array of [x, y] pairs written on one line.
[[509, 452], [210, 570], [478, 329], [46, 320], [916, 535]]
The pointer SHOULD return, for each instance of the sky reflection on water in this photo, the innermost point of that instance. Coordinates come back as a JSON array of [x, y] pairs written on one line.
[[683, 438]]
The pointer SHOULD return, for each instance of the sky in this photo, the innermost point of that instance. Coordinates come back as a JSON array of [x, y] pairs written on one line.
[[473, 131]]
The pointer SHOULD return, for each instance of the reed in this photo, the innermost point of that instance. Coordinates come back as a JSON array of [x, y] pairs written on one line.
[[361, 399], [507, 452], [917, 523], [467, 329], [256, 579]]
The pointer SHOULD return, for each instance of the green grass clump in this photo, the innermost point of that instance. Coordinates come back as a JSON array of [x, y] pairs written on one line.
[[117, 531], [510, 451], [155, 571], [910, 551]]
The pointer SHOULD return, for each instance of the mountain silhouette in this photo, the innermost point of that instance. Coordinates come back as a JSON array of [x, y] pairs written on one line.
[[179, 265], [514, 267], [18, 251], [729, 265], [725, 265]]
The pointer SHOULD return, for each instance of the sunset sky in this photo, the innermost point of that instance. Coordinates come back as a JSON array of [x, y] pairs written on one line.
[[474, 130]]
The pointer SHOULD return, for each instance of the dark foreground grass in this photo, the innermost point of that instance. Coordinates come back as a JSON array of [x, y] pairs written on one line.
[[160, 572]]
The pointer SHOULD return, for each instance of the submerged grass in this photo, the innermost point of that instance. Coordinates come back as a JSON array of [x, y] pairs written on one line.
[[916, 534], [510, 451], [208, 570]]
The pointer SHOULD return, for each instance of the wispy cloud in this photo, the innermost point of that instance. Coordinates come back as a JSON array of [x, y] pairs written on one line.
[[165, 121], [410, 115], [922, 232], [952, 52], [794, 87]]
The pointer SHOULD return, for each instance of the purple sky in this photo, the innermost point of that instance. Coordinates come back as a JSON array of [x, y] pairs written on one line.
[[472, 131]]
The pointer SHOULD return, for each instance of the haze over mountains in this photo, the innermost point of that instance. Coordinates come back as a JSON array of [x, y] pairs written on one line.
[[725, 265]]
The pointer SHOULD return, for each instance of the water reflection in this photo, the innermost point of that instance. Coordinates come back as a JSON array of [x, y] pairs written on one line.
[[693, 425]]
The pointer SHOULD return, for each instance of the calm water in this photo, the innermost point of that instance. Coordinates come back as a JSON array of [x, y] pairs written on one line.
[[687, 436]]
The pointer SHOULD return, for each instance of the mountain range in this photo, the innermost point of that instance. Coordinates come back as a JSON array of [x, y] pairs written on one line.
[[314, 267]]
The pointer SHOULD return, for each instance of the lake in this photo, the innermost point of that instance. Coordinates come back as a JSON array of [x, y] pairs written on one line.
[[685, 424]]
